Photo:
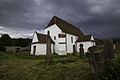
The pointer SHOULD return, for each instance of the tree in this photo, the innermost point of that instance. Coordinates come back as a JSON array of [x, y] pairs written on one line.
[[6, 40], [23, 42]]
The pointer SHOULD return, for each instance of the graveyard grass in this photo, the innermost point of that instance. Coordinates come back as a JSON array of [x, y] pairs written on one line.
[[22, 66]]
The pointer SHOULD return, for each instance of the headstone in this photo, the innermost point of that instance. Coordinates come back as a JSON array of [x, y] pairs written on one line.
[[108, 49], [81, 49], [117, 46], [95, 62], [48, 48], [74, 50], [91, 50]]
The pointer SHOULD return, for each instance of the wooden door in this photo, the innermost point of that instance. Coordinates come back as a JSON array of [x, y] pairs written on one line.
[[34, 50]]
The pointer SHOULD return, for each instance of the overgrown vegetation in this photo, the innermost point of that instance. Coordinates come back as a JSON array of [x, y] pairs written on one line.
[[22, 66], [112, 70]]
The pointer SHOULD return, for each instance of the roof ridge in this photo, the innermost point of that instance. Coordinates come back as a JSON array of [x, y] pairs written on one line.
[[66, 22], [42, 38], [41, 34], [65, 26]]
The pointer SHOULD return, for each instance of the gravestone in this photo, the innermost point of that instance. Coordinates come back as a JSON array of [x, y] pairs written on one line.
[[48, 48], [117, 46], [81, 50], [108, 49], [95, 60], [74, 50], [91, 50]]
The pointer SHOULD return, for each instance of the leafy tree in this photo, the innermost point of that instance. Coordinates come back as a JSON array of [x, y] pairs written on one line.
[[6, 40], [22, 42]]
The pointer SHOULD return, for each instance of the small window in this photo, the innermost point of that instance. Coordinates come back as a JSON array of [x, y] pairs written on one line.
[[54, 37], [71, 39], [62, 42], [61, 35]]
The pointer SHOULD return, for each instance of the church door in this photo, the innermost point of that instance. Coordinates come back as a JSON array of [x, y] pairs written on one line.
[[34, 50]]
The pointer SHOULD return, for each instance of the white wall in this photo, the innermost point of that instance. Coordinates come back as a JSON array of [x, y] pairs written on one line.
[[69, 44], [92, 38], [86, 45], [35, 38], [41, 49], [61, 47], [54, 31]]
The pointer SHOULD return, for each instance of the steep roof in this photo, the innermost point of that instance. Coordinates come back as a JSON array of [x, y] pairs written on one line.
[[65, 26], [42, 38], [84, 38]]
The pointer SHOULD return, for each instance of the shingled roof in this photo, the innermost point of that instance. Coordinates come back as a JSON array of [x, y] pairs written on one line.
[[65, 26], [84, 38], [42, 38]]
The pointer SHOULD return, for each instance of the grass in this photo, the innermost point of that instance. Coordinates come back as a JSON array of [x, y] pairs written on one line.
[[22, 66]]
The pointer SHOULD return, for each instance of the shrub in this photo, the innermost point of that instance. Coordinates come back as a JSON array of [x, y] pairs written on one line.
[[112, 71], [3, 49]]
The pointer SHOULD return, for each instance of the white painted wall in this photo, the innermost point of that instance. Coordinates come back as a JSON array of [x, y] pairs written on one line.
[[40, 49], [61, 49], [86, 45], [69, 43], [54, 31], [35, 38], [92, 38]]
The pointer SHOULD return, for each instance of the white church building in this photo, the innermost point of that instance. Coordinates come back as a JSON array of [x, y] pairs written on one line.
[[64, 36]]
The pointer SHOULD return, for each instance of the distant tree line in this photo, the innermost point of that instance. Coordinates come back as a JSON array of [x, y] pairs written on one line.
[[6, 40], [115, 40]]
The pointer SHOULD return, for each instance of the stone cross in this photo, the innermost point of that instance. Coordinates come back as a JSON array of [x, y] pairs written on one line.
[[48, 48]]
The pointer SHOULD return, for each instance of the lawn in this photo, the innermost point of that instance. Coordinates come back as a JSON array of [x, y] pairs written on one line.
[[22, 66]]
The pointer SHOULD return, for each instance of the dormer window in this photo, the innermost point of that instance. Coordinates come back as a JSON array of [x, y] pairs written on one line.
[[61, 35]]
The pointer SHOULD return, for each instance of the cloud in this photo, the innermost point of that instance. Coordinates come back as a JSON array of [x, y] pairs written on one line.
[[21, 18], [1, 27]]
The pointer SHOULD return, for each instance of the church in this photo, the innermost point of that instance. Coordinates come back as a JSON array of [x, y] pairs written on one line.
[[64, 37]]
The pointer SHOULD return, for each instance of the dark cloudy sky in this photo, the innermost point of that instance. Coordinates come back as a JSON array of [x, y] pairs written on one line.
[[20, 18]]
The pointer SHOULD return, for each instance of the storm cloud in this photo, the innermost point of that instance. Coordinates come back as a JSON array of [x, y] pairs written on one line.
[[20, 18]]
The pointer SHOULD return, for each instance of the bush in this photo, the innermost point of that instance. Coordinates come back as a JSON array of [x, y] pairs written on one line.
[[3, 49], [112, 71]]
